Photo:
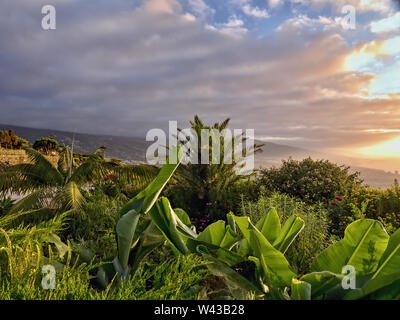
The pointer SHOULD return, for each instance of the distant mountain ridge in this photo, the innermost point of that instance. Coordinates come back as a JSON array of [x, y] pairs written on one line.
[[124, 148], [133, 150]]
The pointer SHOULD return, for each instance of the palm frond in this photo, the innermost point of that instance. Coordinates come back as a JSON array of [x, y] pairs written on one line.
[[26, 177], [44, 168], [138, 174], [69, 197], [34, 200], [93, 169]]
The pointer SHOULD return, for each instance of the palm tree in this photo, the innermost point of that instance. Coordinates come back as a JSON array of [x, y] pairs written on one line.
[[60, 186], [207, 182]]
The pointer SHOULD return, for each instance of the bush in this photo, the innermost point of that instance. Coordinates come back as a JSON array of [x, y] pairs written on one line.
[[93, 226], [309, 180], [383, 205], [46, 145], [311, 241]]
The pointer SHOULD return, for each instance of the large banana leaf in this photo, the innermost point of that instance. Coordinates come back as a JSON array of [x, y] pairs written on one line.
[[281, 238], [141, 204], [388, 270], [289, 232], [149, 239], [300, 290], [277, 272], [362, 247], [238, 284], [322, 283], [166, 220], [270, 225], [125, 229], [220, 235]]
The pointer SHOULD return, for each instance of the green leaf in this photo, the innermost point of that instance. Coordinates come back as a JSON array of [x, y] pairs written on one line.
[[149, 239], [245, 226], [126, 227], [277, 271], [388, 270], [219, 234], [270, 225], [390, 292], [301, 290], [140, 204], [144, 200], [289, 232], [235, 281], [322, 282], [362, 247], [183, 216], [165, 219]]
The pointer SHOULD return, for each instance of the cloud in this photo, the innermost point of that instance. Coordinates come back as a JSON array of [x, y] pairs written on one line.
[[112, 68], [200, 8], [383, 6], [255, 12], [165, 6], [234, 27], [252, 11], [386, 25], [275, 3]]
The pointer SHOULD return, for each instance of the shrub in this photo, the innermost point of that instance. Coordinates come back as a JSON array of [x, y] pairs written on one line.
[[383, 205], [46, 145], [94, 224], [311, 241], [309, 180], [9, 140]]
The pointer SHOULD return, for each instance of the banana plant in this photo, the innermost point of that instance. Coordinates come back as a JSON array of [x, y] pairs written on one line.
[[375, 257], [134, 243], [261, 246]]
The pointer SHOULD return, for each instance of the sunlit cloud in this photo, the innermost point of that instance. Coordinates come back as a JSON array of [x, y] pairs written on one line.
[[119, 69], [386, 25]]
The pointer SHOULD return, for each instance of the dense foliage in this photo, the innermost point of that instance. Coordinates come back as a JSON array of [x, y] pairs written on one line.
[[310, 180], [209, 190], [46, 145], [9, 140], [117, 231]]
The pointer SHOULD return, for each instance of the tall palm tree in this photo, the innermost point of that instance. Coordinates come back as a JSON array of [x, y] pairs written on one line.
[[206, 183], [218, 176], [59, 187]]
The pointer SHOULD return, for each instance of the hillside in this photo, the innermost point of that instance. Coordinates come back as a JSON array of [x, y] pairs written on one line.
[[125, 148], [133, 149]]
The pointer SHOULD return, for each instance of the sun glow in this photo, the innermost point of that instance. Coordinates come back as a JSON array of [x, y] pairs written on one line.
[[388, 149]]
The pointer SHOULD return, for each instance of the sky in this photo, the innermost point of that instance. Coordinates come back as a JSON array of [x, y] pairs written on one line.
[[287, 68]]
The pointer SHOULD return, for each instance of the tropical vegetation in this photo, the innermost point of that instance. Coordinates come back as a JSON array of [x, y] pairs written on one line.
[[308, 230]]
